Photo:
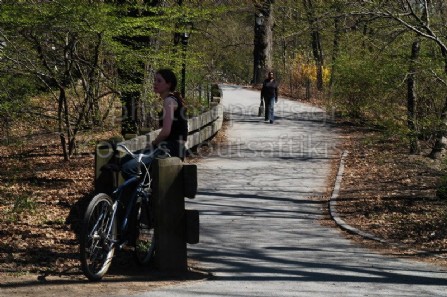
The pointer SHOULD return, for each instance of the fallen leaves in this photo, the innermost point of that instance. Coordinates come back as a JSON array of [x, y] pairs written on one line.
[[391, 194], [35, 237]]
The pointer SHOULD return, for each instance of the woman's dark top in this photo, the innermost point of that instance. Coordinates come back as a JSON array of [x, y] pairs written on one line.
[[179, 128]]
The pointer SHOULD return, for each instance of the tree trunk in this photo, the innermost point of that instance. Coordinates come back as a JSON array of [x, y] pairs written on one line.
[[439, 146], [308, 89], [335, 50], [65, 131], [317, 50], [263, 43], [268, 51], [61, 117], [64, 146], [412, 100], [71, 145], [257, 51], [131, 122]]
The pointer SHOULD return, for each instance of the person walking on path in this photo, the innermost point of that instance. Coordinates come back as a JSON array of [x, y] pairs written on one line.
[[269, 93]]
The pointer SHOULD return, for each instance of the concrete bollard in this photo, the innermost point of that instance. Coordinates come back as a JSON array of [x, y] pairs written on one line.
[[172, 182], [106, 181], [171, 217]]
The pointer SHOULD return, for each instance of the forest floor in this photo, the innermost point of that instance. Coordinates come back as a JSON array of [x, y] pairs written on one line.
[[42, 199], [384, 191], [391, 195]]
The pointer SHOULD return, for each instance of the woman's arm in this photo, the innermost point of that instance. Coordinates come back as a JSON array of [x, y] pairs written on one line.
[[169, 106]]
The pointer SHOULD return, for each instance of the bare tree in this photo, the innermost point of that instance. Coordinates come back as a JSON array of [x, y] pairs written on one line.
[[263, 45], [66, 59], [412, 99], [426, 19]]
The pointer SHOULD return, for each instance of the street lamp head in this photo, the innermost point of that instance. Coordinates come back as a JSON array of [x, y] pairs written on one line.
[[259, 19], [188, 26], [185, 37]]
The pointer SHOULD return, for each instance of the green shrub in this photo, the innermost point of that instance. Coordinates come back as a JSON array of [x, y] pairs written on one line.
[[365, 88]]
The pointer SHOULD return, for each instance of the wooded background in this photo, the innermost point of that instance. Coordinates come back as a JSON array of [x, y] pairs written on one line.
[[72, 66]]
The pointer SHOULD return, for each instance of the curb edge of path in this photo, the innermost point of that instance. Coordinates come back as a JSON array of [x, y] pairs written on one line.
[[333, 203], [345, 226]]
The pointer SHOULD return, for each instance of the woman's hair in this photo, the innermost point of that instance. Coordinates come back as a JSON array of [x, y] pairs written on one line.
[[169, 76]]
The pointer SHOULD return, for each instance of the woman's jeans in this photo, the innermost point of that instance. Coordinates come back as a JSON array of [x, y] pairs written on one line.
[[269, 109], [129, 164]]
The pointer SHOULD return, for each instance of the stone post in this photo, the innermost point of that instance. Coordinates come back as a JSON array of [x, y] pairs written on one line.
[[170, 228]]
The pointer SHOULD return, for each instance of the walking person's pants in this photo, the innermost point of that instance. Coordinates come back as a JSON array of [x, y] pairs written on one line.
[[269, 109]]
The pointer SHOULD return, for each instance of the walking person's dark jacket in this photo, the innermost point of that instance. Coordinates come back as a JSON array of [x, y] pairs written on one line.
[[269, 90]]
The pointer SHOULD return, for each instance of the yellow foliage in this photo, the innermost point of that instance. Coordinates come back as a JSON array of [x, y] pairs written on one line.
[[304, 69]]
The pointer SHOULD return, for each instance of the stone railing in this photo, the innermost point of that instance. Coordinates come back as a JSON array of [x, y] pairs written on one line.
[[201, 128]]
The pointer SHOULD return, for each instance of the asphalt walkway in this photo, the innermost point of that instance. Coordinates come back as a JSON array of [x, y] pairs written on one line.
[[260, 230]]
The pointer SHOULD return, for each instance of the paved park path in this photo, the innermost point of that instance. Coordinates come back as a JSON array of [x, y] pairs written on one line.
[[260, 234]]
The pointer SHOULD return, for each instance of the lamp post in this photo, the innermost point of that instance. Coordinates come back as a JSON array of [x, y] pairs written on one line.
[[257, 50], [185, 37], [184, 40]]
